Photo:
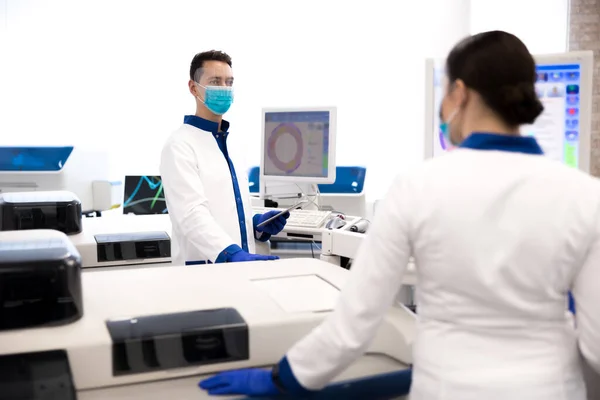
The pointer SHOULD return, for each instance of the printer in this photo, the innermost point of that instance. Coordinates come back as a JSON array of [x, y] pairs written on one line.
[[153, 333], [102, 241], [84, 171], [40, 280], [124, 241], [59, 210]]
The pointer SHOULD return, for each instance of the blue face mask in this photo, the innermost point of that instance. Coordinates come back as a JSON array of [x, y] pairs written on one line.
[[445, 128], [445, 132], [217, 99]]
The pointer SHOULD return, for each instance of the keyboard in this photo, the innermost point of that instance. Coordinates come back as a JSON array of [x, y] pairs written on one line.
[[308, 218], [301, 218]]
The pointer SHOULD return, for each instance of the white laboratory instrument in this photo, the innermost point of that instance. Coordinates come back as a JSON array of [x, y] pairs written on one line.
[[114, 241], [153, 333], [300, 218], [286, 211], [342, 243], [345, 195], [124, 241], [298, 150], [564, 85], [308, 218], [350, 204], [84, 172], [133, 241]]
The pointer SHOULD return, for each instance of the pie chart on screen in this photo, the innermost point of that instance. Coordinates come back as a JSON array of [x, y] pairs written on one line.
[[290, 134]]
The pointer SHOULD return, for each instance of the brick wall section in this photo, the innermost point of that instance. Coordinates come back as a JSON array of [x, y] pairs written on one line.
[[584, 34]]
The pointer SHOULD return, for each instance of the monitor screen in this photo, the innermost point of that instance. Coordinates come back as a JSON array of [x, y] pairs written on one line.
[[297, 144], [144, 195], [34, 159], [439, 143], [557, 129]]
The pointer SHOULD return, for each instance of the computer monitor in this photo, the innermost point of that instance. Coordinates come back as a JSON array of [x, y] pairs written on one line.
[[144, 195], [298, 145], [564, 86]]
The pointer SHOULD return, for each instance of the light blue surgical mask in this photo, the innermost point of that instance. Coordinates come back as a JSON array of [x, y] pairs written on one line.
[[445, 127], [217, 99]]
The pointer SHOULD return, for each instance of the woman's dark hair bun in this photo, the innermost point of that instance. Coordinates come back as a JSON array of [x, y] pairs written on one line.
[[516, 104], [498, 66]]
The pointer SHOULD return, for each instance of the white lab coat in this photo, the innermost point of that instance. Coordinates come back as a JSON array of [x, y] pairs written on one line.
[[200, 197], [499, 238]]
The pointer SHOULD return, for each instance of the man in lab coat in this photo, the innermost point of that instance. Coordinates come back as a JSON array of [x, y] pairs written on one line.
[[207, 197]]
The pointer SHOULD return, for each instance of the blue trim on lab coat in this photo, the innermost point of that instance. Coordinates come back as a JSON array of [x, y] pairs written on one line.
[[571, 303], [517, 144], [384, 386], [223, 257], [220, 136], [490, 141], [288, 380]]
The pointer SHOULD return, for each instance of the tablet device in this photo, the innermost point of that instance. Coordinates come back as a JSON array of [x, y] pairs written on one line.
[[298, 204]]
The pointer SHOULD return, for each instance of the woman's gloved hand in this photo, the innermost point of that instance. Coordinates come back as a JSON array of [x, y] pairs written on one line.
[[272, 227], [249, 382], [242, 256]]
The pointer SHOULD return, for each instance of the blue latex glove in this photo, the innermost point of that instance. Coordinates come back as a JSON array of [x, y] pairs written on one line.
[[242, 256], [249, 382], [275, 226]]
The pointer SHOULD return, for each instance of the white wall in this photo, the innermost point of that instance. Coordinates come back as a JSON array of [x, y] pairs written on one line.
[[541, 24], [113, 74]]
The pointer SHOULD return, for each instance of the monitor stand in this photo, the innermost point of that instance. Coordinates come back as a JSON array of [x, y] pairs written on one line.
[[287, 194]]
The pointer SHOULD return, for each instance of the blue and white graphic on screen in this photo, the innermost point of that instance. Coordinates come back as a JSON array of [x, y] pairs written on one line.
[[144, 195], [34, 159], [557, 129]]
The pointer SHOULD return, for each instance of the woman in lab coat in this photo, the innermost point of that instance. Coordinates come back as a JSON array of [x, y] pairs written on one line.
[[500, 235]]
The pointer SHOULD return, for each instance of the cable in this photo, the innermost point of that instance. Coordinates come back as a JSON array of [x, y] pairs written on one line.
[[318, 193], [307, 196], [312, 250]]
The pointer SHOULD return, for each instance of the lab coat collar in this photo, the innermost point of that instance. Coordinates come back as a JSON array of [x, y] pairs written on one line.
[[490, 141], [206, 125]]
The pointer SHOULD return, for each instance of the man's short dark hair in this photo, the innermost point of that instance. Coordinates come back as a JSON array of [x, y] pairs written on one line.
[[201, 58]]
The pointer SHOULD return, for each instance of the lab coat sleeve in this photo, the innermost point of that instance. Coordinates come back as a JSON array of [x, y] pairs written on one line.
[[187, 203], [371, 289], [587, 303]]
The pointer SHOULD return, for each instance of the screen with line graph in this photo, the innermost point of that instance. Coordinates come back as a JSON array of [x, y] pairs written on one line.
[[144, 195]]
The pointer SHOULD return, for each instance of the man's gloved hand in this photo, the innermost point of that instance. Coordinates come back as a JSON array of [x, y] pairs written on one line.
[[249, 382], [275, 226], [242, 256]]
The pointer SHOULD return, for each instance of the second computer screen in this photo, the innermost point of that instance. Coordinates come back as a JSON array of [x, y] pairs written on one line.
[[556, 129]]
